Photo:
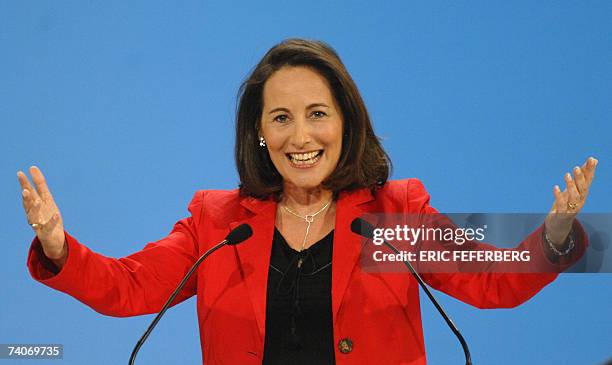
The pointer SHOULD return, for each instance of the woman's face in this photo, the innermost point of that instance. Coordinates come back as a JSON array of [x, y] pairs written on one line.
[[302, 126]]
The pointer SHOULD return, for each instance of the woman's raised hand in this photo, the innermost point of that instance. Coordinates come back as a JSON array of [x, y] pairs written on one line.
[[570, 201], [43, 215]]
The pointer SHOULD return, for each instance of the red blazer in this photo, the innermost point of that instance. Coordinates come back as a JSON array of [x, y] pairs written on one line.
[[378, 312]]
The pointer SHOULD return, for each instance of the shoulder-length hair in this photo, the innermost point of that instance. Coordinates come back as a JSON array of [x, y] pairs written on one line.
[[363, 162]]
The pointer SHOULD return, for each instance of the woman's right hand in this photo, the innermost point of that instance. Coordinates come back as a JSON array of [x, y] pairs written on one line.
[[43, 216]]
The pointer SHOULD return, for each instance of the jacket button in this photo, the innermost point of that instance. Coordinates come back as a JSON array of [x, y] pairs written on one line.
[[345, 345]]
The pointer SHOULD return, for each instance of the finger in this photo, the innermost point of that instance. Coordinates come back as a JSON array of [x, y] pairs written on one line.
[[40, 183], [573, 197], [26, 200], [589, 169], [581, 184], [31, 203], [23, 180], [25, 183], [29, 195], [560, 200]]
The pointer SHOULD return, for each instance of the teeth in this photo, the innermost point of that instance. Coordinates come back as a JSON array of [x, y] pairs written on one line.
[[305, 158]]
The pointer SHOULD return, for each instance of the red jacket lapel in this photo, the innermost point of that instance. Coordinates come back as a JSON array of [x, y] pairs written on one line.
[[347, 245], [254, 254]]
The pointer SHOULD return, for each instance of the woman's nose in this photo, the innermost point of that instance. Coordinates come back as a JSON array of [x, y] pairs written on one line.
[[301, 133]]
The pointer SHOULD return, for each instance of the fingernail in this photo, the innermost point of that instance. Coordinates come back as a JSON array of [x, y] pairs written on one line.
[[24, 193], [568, 176], [577, 169]]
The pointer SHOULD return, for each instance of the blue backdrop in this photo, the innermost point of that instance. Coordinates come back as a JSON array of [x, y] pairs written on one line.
[[128, 109]]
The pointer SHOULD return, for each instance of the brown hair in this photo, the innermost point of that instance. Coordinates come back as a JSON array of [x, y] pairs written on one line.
[[363, 162]]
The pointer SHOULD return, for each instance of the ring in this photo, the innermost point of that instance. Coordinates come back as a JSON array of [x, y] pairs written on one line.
[[572, 206], [34, 225]]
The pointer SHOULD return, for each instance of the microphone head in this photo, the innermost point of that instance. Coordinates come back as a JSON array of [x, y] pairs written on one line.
[[362, 228], [239, 234]]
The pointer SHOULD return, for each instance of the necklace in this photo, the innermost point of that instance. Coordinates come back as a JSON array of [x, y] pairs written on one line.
[[309, 218]]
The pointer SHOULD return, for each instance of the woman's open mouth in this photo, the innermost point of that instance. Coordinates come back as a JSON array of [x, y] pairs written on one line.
[[303, 160]]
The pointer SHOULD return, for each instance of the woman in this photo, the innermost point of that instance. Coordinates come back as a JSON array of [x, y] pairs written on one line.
[[309, 163]]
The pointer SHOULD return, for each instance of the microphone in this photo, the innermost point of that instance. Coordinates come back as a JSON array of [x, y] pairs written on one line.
[[365, 229], [236, 236]]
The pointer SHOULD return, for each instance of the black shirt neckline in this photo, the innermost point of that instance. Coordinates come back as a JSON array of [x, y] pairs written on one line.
[[314, 246]]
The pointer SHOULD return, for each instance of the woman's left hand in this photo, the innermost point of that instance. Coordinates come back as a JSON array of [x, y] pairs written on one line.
[[569, 202]]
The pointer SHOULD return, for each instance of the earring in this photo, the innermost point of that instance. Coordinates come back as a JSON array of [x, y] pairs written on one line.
[[262, 142]]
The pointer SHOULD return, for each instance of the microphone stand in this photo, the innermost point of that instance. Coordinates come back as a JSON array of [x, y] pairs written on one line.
[[449, 322], [174, 294]]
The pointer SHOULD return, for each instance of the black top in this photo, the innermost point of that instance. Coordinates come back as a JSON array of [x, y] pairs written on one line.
[[299, 310]]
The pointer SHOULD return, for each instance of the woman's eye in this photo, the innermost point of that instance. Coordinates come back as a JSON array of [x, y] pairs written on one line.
[[281, 118], [318, 114]]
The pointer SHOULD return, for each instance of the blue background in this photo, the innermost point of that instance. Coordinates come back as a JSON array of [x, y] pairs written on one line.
[[128, 109]]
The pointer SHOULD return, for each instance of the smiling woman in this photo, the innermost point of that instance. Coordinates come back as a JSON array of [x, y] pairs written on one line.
[[301, 99], [295, 293]]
